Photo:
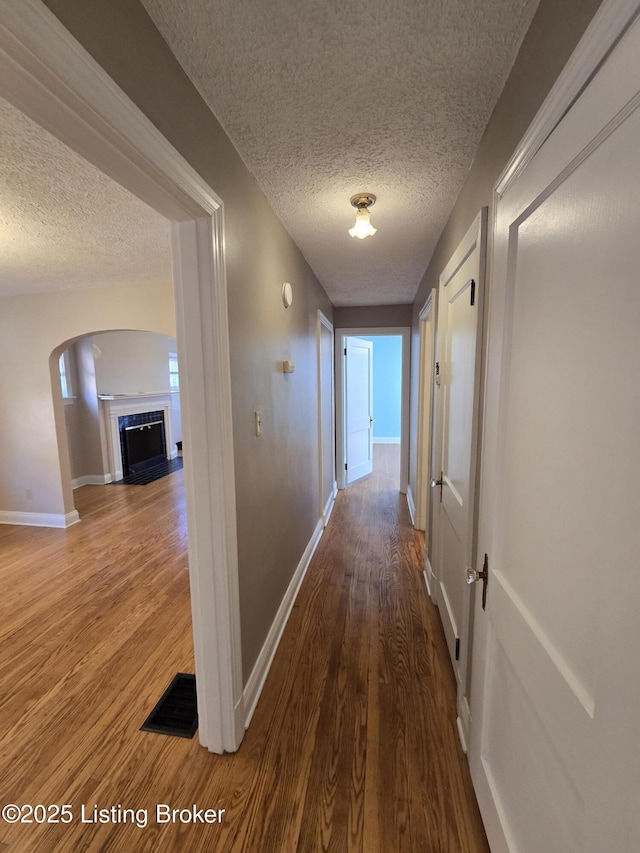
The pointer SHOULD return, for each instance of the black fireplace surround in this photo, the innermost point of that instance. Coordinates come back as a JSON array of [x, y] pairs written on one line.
[[142, 441]]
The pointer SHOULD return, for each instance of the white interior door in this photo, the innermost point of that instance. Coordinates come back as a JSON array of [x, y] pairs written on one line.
[[326, 429], [555, 751], [425, 420], [453, 495], [358, 408]]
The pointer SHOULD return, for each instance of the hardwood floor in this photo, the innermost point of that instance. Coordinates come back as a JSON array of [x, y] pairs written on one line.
[[353, 745]]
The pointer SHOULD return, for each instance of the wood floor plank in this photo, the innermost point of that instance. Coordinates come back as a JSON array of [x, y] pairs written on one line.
[[353, 745]]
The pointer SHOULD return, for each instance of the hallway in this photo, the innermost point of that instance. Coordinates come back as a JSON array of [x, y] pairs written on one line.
[[353, 745], [385, 767]]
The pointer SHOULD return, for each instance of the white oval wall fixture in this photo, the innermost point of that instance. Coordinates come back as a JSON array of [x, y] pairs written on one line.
[[287, 294], [363, 227]]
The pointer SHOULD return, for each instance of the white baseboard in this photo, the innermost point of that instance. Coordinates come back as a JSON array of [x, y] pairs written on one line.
[[39, 519], [430, 581], [411, 504], [90, 480], [255, 682], [326, 513], [386, 440], [463, 721]]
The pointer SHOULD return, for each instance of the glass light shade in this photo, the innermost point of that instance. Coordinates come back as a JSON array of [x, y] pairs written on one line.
[[363, 227]]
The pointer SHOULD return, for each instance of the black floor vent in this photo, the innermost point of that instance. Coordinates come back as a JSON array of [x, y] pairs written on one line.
[[176, 713]]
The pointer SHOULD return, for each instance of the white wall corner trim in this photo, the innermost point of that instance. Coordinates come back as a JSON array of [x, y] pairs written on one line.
[[40, 519], [256, 680], [411, 504]]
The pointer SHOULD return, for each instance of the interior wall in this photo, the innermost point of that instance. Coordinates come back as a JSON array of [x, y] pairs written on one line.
[[553, 35], [91, 443], [373, 316], [32, 327], [132, 362], [277, 476], [72, 418], [82, 416]]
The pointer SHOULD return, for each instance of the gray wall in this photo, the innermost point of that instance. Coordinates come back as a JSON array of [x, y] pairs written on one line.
[[277, 479], [372, 316], [554, 32], [82, 415]]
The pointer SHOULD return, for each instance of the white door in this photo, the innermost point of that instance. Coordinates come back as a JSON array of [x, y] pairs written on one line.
[[453, 494], [325, 417], [425, 419], [358, 408], [555, 702]]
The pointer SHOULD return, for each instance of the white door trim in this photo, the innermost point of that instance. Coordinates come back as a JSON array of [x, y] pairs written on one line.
[[48, 75], [608, 25], [427, 358], [474, 240], [341, 334], [610, 22], [325, 505]]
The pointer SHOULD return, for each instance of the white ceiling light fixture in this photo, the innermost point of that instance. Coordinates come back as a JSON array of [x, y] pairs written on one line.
[[363, 227]]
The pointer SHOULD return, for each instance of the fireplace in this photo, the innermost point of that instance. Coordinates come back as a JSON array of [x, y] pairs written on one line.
[[136, 432], [142, 443]]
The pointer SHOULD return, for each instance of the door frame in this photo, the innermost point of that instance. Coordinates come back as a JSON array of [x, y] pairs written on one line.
[[326, 452], [357, 379], [426, 408], [606, 28], [47, 74], [341, 334], [474, 239]]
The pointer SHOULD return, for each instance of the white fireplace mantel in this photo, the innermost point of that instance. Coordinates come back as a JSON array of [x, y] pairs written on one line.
[[114, 406]]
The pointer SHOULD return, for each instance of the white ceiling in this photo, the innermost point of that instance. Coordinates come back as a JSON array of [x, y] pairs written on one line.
[[326, 98], [64, 224], [323, 99]]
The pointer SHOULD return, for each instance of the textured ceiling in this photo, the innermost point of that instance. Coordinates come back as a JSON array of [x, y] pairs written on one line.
[[65, 225], [326, 98]]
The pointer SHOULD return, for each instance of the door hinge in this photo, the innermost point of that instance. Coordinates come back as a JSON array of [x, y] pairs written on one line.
[[457, 648], [345, 350], [485, 580], [473, 291], [437, 372], [346, 467], [438, 482]]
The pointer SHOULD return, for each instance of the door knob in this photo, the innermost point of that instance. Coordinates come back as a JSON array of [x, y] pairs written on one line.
[[435, 483], [474, 575]]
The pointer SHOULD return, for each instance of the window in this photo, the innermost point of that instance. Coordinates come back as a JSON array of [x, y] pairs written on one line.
[[174, 378], [65, 376]]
